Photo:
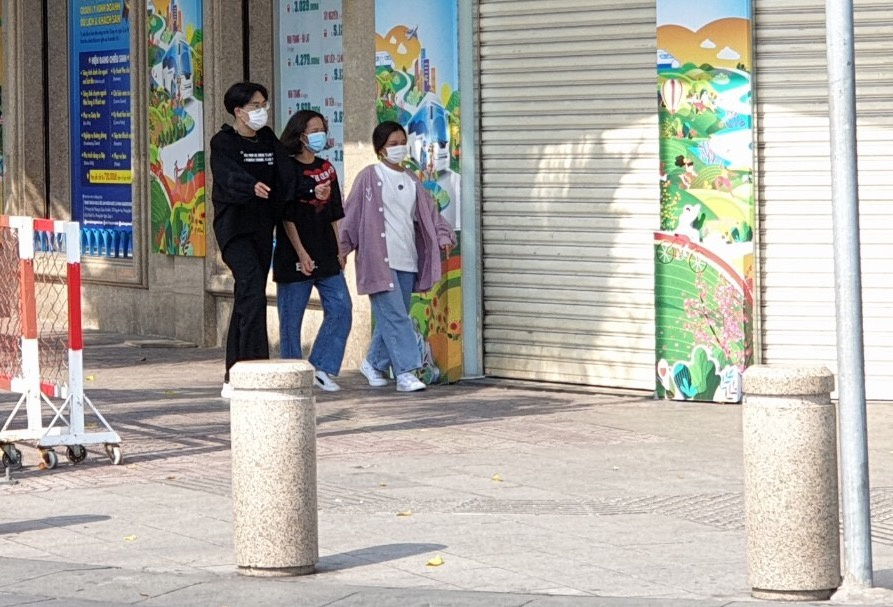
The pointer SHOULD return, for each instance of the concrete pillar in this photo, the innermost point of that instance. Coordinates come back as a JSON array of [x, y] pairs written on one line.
[[273, 419], [360, 119], [790, 482], [24, 139]]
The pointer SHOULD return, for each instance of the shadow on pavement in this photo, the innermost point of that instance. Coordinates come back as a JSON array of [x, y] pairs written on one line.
[[373, 555], [41, 524], [446, 406], [883, 578]]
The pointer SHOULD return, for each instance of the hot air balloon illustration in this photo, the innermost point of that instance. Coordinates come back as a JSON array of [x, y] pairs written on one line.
[[672, 92]]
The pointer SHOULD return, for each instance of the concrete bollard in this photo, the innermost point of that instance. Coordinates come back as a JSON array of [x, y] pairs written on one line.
[[273, 420], [790, 483]]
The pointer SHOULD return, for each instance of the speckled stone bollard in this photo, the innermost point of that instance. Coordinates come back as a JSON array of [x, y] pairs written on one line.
[[273, 420], [790, 482]]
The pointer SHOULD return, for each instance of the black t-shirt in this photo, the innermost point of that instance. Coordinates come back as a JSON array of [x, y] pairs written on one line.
[[314, 219]]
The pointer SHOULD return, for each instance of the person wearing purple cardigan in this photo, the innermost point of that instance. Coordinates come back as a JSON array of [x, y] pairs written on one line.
[[394, 225]]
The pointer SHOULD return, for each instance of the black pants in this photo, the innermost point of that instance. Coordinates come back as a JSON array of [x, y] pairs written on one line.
[[248, 258]]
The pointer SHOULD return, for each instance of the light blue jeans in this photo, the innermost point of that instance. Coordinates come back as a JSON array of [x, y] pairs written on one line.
[[393, 339], [328, 348]]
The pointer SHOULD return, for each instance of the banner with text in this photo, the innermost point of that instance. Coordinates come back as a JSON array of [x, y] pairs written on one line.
[[310, 68], [102, 198]]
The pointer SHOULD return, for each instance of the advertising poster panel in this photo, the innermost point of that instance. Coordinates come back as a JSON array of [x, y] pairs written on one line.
[[417, 73], [310, 68], [704, 250], [102, 199], [176, 127]]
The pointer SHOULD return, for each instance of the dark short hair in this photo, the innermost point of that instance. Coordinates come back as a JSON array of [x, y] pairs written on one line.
[[382, 132], [297, 124], [241, 93]]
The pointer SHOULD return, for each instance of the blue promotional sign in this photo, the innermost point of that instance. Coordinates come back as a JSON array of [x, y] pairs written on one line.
[[102, 198]]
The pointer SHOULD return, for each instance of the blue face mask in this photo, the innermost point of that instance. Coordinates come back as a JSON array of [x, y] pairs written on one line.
[[316, 142]]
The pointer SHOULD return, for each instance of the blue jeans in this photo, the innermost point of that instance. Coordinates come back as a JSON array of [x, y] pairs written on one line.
[[328, 348], [393, 339]]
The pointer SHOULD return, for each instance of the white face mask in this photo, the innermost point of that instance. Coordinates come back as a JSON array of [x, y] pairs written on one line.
[[396, 154], [257, 119]]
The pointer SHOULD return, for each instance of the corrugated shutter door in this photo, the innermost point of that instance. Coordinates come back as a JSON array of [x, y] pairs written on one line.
[[570, 194], [797, 269]]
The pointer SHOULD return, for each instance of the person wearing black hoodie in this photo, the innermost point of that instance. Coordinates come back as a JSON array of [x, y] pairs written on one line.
[[249, 190]]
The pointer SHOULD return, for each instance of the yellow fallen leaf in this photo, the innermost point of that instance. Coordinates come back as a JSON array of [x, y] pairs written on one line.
[[130, 538], [497, 478], [382, 484], [405, 513], [169, 392], [437, 561], [90, 377]]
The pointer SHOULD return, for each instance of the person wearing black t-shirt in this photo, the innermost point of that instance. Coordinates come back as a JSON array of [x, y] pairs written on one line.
[[249, 189], [307, 252]]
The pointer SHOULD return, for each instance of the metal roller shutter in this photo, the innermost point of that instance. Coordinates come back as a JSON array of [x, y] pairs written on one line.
[[797, 270], [570, 190]]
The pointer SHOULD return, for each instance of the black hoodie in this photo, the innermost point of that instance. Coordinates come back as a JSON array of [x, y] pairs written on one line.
[[237, 164]]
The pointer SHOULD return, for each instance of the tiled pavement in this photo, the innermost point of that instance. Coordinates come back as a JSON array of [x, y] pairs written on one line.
[[528, 491]]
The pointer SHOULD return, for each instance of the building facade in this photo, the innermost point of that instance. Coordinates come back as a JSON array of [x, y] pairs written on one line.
[[559, 167]]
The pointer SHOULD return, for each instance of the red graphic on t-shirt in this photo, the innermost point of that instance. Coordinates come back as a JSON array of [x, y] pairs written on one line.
[[325, 173]]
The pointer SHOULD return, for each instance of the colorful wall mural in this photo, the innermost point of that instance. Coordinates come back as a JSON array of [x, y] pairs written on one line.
[[310, 68], [704, 250], [417, 72], [176, 132]]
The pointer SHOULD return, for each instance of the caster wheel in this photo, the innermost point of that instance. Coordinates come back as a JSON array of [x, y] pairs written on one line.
[[50, 459], [115, 454], [12, 458], [76, 454]]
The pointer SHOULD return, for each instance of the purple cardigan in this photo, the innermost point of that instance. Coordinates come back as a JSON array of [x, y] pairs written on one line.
[[362, 229]]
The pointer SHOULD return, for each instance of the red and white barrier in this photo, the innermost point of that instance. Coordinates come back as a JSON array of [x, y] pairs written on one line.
[[41, 341]]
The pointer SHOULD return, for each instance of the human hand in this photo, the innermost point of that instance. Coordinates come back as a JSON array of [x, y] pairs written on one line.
[[323, 191], [342, 259], [261, 190], [446, 248], [307, 264]]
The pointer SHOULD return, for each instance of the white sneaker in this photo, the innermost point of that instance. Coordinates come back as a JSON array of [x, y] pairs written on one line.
[[375, 377], [407, 382], [227, 390], [325, 382]]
